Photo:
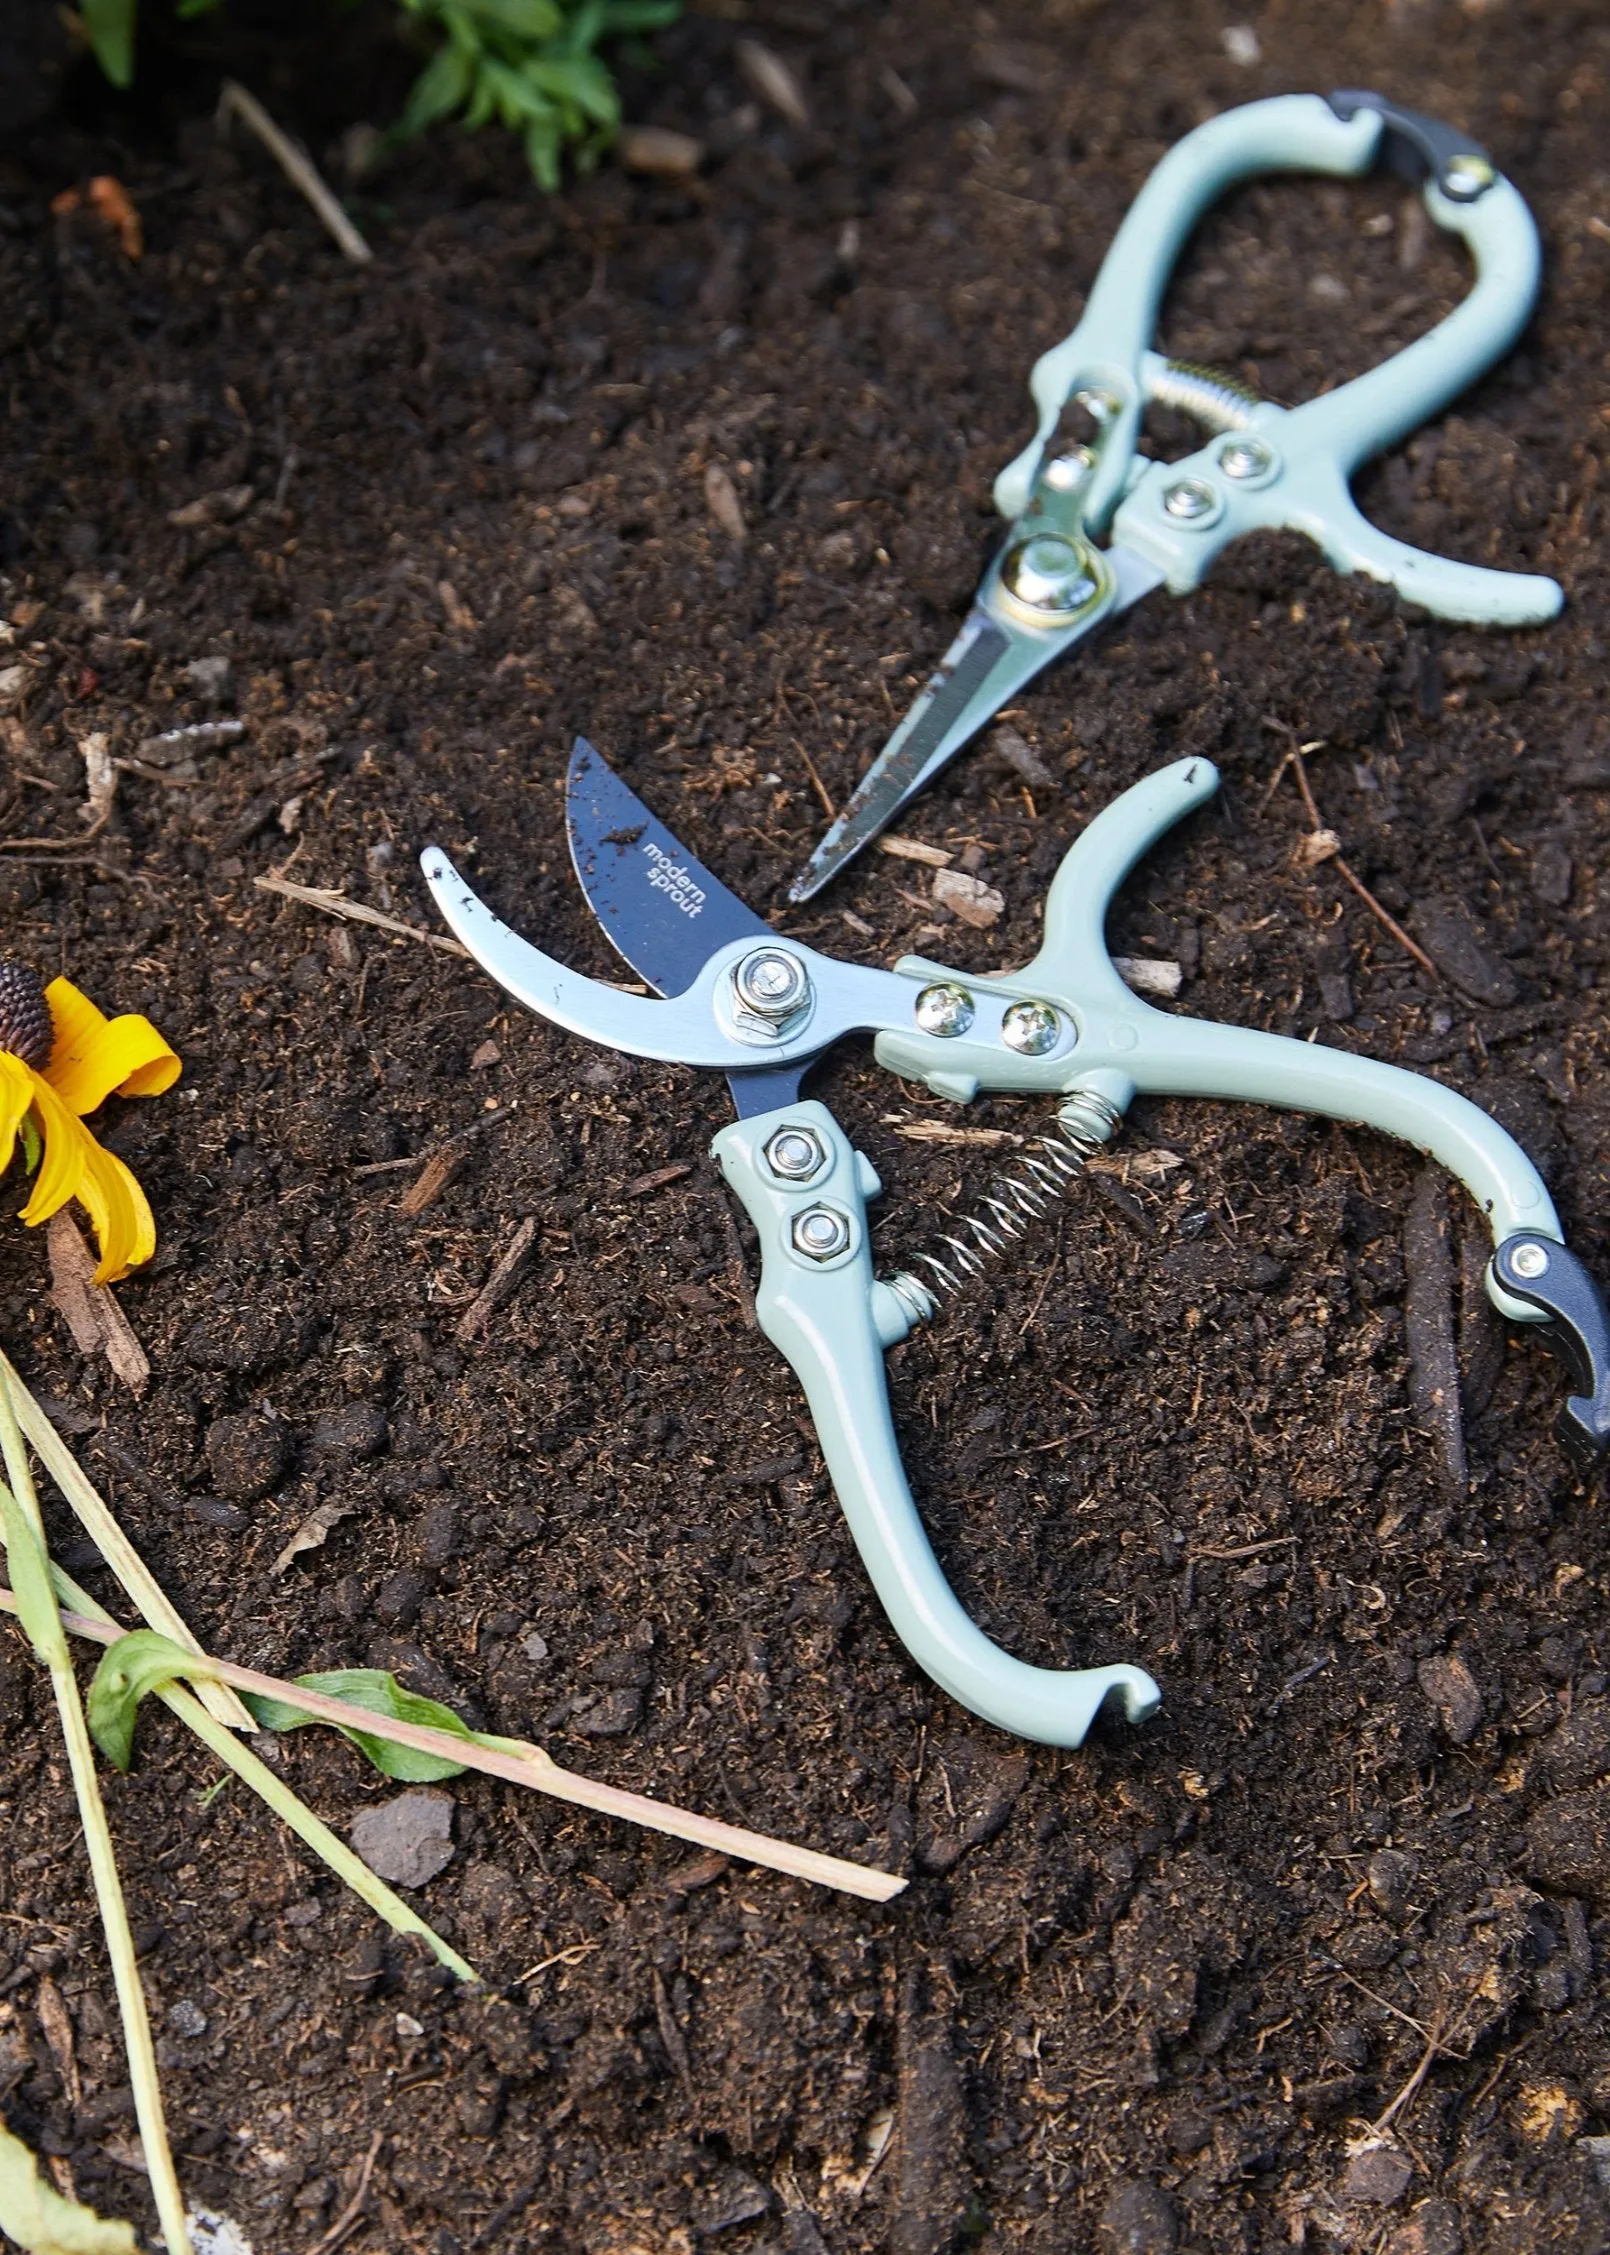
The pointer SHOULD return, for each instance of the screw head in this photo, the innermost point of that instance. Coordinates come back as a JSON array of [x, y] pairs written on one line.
[[771, 982], [821, 1233], [1245, 458], [794, 1154], [1068, 472], [1192, 501], [1049, 573], [1100, 406], [1031, 1028], [1530, 1261], [946, 1011], [1467, 176]]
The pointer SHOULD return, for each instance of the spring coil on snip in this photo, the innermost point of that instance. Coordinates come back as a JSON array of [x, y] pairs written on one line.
[[1012, 1206], [1216, 401]]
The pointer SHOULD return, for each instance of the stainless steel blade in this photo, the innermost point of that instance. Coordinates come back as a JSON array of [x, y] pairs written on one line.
[[990, 661], [655, 902]]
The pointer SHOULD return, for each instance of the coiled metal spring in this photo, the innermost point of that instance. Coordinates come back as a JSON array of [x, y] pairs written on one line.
[[1216, 401], [1012, 1206]]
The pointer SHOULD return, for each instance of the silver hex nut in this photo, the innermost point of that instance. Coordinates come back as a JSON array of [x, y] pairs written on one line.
[[821, 1233], [795, 1153]]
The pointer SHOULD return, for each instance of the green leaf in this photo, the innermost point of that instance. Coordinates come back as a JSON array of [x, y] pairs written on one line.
[[29, 1572], [526, 20], [623, 17], [109, 25], [582, 31], [439, 88], [542, 152], [381, 1694], [584, 82], [141, 1662], [40, 2220], [32, 1144]]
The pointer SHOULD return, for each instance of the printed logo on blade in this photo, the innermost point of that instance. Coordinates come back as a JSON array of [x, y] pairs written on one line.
[[668, 876]]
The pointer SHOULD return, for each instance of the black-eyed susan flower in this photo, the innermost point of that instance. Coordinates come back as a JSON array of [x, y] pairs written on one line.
[[60, 1059]]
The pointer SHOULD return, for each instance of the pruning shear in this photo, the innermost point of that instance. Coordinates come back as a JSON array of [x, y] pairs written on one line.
[[742, 999], [1096, 526]]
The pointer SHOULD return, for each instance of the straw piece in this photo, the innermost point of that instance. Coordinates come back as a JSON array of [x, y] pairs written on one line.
[[95, 1516], [531, 1767]]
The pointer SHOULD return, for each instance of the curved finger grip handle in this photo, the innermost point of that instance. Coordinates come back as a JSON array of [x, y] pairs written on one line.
[[1290, 132], [819, 1310]]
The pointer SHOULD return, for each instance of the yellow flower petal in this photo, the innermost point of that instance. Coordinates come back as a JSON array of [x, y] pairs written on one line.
[[93, 1055], [75, 1166], [16, 1094]]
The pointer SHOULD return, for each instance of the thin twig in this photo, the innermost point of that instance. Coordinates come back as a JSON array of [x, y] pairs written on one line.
[[1387, 922], [531, 1767], [822, 791], [354, 2207], [354, 912], [297, 167]]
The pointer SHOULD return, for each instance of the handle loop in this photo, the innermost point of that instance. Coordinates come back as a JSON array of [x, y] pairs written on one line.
[[823, 1310], [1295, 472]]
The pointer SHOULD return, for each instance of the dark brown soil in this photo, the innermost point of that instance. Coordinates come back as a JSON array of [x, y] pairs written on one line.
[[1150, 1994]]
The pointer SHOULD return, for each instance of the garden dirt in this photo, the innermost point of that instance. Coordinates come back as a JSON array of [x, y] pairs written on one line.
[[1318, 1956]]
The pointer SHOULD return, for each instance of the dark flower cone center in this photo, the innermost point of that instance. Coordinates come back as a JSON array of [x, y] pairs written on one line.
[[25, 1024]]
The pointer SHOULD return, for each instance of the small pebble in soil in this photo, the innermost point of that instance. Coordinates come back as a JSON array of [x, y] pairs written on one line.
[[1137, 2220], [1391, 1875], [1452, 1690], [406, 1841], [212, 679], [1379, 2175], [186, 2018], [247, 1454]]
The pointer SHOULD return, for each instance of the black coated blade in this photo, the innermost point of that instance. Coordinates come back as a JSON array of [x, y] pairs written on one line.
[[657, 904]]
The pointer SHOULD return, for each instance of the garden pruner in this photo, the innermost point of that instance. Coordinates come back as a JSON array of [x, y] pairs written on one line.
[[744, 1000], [1096, 525]]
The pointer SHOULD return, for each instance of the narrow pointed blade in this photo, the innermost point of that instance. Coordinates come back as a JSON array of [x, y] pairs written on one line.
[[986, 666], [655, 902]]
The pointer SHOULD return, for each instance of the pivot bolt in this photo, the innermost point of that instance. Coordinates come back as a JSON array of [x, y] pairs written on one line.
[[1068, 472], [1245, 458], [794, 1154], [771, 982], [946, 1011], [821, 1233], [1050, 574], [1100, 406], [1529, 1261], [1192, 501], [1467, 176], [1031, 1028]]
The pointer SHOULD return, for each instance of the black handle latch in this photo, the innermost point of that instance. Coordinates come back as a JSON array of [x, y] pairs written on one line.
[[1542, 1272], [1415, 145]]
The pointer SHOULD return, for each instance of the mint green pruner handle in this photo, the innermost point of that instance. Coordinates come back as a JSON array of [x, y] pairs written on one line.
[[824, 1311], [1126, 1048], [1295, 474]]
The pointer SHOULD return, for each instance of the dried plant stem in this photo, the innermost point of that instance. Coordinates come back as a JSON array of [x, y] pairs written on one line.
[[355, 912], [44, 1626], [297, 167], [95, 1516], [273, 1790], [529, 1766]]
